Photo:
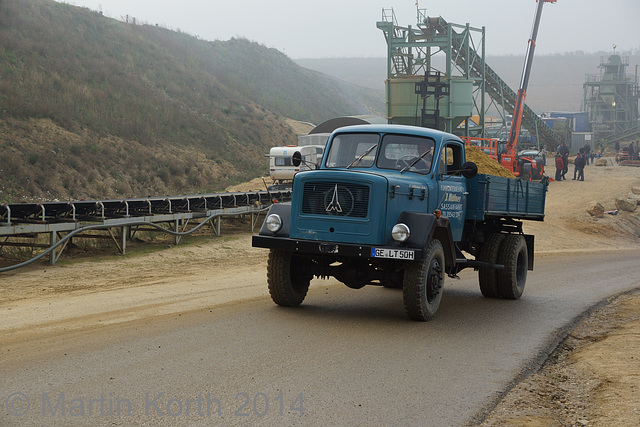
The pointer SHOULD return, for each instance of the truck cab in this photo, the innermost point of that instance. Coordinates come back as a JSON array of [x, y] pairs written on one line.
[[386, 206], [367, 179]]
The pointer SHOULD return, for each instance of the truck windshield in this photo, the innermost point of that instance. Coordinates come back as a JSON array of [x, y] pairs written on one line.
[[347, 148], [396, 152], [406, 153]]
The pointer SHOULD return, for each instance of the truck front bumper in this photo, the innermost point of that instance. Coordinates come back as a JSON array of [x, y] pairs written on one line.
[[314, 247]]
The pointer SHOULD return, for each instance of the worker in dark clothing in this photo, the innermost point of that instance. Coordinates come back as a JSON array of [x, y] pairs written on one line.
[[587, 152], [564, 152], [576, 165], [559, 167], [582, 160], [631, 152]]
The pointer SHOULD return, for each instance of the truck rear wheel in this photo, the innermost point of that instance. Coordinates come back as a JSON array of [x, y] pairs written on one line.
[[514, 256], [488, 277], [423, 284], [525, 171], [538, 173], [288, 277]]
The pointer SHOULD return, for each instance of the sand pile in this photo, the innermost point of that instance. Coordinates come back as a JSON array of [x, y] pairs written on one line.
[[486, 164]]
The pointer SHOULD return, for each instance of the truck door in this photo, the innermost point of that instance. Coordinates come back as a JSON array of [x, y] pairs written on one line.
[[452, 187]]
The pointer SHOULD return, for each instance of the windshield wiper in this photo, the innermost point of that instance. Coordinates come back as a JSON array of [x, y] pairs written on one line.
[[412, 164], [359, 159]]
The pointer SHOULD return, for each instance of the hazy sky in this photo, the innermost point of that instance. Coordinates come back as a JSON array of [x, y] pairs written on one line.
[[347, 28]]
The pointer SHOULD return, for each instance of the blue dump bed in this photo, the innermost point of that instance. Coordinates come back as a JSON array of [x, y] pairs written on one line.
[[496, 196]]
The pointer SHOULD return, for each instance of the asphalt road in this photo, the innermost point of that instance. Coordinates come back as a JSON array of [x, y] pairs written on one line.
[[346, 357]]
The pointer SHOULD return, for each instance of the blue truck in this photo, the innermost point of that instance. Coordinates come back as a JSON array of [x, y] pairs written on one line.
[[399, 206]]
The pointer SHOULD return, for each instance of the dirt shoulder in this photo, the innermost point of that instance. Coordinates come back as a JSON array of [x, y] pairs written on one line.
[[592, 378]]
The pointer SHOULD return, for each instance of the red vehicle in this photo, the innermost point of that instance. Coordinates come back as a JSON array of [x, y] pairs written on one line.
[[526, 164]]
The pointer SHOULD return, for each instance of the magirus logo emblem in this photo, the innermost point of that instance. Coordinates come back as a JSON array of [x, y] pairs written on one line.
[[339, 201], [334, 204]]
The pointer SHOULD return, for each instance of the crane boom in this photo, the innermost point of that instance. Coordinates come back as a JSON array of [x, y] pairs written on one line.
[[524, 81]]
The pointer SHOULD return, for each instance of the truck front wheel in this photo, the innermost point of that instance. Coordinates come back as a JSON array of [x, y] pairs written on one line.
[[423, 284], [288, 277], [514, 256]]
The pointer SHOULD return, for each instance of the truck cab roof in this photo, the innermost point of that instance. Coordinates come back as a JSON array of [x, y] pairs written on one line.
[[403, 129]]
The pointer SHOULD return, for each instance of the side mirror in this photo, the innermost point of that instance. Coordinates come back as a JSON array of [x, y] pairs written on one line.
[[296, 159], [469, 170]]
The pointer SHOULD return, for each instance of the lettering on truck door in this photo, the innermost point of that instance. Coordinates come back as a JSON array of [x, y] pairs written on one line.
[[452, 187]]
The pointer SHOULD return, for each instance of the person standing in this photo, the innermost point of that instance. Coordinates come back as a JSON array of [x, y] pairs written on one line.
[[564, 152], [587, 152], [559, 167], [543, 153], [576, 166], [582, 159], [631, 152]]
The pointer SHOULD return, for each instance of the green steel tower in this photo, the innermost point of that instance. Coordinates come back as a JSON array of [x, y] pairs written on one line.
[[437, 77], [430, 81]]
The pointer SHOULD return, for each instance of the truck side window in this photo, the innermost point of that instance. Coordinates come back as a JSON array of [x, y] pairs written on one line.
[[443, 160], [450, 160]]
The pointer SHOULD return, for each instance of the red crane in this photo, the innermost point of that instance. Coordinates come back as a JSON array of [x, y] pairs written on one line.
[[525, 167], [511, 150]]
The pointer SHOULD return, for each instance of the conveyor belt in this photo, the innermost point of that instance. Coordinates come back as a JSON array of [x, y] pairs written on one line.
[[62, 221], [97, 210]]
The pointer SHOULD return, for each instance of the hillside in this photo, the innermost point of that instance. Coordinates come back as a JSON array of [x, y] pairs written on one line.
[[93, 107]]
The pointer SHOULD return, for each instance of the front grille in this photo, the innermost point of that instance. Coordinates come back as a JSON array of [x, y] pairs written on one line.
[[339, 199]]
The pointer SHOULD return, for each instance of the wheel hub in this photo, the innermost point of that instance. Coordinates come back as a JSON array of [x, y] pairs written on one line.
[[434, 280]]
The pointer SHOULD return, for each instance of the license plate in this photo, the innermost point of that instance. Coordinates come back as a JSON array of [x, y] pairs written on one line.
[[392, 253]]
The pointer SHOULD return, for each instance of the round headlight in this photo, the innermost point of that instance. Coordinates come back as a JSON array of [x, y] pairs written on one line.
[[273, 223], [400, 232]]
